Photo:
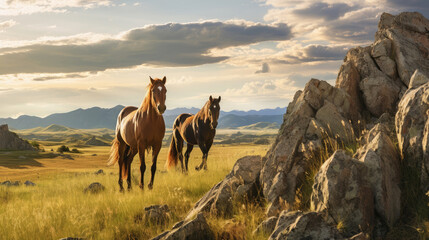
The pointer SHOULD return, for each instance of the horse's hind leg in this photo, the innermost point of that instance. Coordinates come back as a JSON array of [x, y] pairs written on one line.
[[179, 147], [188, 154], [127, 163], [121, 164]]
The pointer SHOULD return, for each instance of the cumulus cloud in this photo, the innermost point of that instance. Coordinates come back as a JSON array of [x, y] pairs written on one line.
[[160, 45], [265, 68], [7, 24], [323, 10], [20, 7]]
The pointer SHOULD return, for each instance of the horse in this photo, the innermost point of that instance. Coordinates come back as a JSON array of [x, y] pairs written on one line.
[[139, 130], [198, 129]]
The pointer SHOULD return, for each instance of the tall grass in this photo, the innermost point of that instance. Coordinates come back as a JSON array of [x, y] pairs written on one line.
[[57, 206]]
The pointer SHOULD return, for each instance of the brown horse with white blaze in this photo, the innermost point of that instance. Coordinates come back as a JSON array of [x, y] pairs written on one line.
[[198, 129], [138, 130]]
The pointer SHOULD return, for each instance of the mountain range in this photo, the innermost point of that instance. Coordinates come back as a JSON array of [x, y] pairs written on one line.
[[97, 117]]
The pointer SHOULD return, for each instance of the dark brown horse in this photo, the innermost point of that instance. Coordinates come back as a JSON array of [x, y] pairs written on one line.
[[138, 130], [198, 129]]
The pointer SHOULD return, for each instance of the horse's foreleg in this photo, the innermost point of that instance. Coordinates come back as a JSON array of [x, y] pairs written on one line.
[[127, 164], [155, 153], [203, 160], [208, 146], [142, 167], [188, 154], [121, 164]]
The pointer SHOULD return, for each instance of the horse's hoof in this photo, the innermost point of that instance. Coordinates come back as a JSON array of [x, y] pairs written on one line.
[[197, 168], [150, 186], [121, 190], [141, 186]]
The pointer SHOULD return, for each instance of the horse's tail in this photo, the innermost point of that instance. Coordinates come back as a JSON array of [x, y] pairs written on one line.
[[172, 156], [114, 152], [172, 153]]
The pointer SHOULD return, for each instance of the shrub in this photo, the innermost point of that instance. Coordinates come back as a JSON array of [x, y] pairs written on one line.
[[75, 150], [63, 148], [35, 144]]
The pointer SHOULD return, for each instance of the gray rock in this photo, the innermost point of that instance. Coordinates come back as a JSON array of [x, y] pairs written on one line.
[[310, 111], [98, 172], [412, 130], [343, 195], [266, 226], [410, 44], [383, 162], [29, 183], [157, 214], [309, 225], [94, 188], [240, 184], [195, 229], [418, 79], [379, 95]]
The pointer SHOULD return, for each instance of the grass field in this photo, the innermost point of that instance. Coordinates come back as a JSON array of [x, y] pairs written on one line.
[[57, 206]]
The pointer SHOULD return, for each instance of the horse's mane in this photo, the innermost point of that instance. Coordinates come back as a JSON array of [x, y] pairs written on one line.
[[204, 112], [147, 101]]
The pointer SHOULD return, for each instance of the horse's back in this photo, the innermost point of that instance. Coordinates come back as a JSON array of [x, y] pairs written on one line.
[[181, 119]]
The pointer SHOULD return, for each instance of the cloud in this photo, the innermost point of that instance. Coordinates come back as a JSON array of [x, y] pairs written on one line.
[[265, 68], [170, 44], [323, 10], [7, 24], [21, 7], [61, 76], [315, 53]]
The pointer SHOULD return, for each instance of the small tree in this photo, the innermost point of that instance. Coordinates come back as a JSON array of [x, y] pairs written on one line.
[[63, 148]]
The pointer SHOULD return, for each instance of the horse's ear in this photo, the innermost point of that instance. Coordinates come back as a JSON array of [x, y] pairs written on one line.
[[211, 98], [218, 99], [151, 80], [164, 80]]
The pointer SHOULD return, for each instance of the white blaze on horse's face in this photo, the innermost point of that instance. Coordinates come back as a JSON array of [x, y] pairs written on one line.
[[160, 88]]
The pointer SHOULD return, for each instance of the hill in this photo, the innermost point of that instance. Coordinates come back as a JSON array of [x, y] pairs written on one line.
[[96, 117]]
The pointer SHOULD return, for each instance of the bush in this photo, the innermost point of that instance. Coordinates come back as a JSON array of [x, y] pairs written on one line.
[[63, 148], [35, 144], [75, 150]]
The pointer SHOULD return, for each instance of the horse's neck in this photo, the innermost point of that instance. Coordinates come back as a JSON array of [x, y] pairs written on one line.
[[146, 105], [202, 114]]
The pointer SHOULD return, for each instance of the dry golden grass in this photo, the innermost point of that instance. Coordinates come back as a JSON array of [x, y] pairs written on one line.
[[57, 206]]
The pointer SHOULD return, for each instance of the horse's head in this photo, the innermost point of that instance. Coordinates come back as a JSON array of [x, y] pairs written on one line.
[[213, 111], [158, 94]]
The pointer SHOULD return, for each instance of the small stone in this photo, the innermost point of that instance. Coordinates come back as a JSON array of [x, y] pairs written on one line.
[[94, 188], [29, 183], [100, 171]]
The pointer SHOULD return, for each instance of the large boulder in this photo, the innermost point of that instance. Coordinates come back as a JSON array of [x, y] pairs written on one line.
[[240, 184], [298, 225], [412, 128], [383, 162], [342, 193], [286, 162], [361, 77], [408, 33], [194, 229]]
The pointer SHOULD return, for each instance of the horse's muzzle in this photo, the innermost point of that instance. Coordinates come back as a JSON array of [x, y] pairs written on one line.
[[162, 109]]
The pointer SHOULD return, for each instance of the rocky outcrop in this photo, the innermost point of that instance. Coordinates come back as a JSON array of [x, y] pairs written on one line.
[[383, 163], [240, 184], [342, 193], [412, 127], [11, 141], [408, 34], [320, 108]]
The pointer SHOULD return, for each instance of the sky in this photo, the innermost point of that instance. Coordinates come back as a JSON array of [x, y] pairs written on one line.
[[57, 56]]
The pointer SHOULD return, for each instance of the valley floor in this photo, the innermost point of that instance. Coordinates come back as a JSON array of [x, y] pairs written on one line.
[[57, 207]]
